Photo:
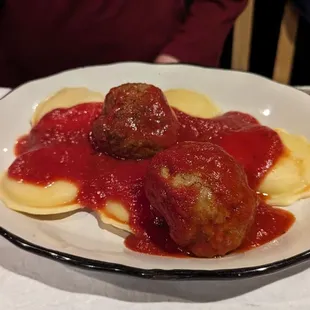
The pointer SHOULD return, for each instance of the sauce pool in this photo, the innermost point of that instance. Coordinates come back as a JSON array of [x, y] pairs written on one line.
[[60, 143], [269, 224]]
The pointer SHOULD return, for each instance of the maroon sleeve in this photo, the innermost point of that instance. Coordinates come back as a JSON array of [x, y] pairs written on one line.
[[202, 36]]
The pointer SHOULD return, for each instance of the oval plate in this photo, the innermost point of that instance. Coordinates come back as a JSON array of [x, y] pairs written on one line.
[[78, 240]]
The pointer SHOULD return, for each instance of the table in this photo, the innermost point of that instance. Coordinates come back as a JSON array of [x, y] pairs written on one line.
[[30, 282]]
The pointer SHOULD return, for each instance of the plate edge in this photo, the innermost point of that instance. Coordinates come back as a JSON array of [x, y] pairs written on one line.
[[143, 63], [154, 274]]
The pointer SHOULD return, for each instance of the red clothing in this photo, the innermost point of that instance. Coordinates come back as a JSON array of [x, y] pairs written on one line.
[[42, 37]]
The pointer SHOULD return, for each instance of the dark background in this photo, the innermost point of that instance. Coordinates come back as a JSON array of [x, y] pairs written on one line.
[[267, 19]]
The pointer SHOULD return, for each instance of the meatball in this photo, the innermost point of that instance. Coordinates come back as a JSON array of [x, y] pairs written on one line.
[[203, 195], [136, 122]]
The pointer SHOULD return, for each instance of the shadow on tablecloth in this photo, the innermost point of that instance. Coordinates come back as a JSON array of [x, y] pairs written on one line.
[[131, 289]]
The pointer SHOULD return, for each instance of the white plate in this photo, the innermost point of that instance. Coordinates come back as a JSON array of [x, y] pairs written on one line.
[[78, 239]]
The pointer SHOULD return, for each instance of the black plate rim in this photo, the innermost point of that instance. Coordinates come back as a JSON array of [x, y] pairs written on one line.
[[154, 274]]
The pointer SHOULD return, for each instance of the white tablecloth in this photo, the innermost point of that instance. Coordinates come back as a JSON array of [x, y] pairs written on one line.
[[29, 282]]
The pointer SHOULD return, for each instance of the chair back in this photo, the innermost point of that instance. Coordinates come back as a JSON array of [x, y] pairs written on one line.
[[242, 38]]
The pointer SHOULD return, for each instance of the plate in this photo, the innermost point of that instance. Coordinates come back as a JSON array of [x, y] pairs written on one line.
[[78, 240]]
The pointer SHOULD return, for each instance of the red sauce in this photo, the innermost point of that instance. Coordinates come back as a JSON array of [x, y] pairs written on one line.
[[59, 148], [155, 239], [201, 129], [21, 145], [269, 224], [255, 147]]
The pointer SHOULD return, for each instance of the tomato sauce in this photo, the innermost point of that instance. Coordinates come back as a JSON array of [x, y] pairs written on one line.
[[59, 148], [269, 224]]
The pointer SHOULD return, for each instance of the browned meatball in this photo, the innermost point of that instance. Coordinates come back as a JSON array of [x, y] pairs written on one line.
[[136, 122], [203, 195]]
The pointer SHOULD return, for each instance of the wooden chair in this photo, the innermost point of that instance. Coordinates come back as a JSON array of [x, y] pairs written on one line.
[[286, 42]]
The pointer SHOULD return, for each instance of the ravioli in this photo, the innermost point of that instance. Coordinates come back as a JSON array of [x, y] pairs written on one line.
[[192, 103], [115, 214], [58, 197], [65, 98], [287, 182]]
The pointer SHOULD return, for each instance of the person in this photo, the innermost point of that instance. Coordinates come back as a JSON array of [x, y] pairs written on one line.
[[39, 38]]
